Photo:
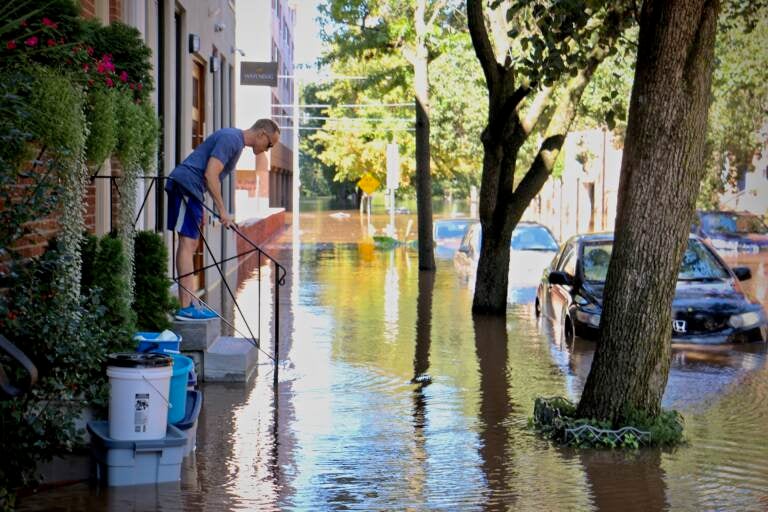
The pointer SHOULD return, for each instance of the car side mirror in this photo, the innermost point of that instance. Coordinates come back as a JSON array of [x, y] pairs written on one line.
[[561, 278], [742, 273]]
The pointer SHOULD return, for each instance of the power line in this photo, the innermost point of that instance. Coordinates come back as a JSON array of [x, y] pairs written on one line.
[[409, 119], [343, 129], [345, 105]]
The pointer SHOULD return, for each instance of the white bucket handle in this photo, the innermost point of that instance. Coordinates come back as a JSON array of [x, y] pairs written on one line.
[[170, 405]]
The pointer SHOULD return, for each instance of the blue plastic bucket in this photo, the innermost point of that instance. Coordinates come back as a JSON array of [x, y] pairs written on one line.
[[148, 342], [178, 394]]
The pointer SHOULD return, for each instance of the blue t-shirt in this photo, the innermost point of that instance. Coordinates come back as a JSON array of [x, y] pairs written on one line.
[[225, 144]]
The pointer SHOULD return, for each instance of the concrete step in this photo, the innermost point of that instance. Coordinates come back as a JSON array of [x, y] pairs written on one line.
[[230, 359], [197, 335]]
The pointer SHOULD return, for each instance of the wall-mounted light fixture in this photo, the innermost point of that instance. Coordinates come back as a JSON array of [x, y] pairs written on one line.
[[214, 63], [234, 50], [194, 43], [219, 27]]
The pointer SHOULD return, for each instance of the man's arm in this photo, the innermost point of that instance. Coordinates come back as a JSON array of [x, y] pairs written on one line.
[[212, 172]]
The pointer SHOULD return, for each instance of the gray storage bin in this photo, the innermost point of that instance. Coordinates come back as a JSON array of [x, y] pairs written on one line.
[[119, 463], [188, 424]]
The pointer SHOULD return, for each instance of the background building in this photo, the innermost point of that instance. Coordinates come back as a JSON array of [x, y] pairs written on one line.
[[265, 33]]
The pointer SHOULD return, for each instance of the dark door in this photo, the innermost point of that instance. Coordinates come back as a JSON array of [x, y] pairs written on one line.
[[198, 134]]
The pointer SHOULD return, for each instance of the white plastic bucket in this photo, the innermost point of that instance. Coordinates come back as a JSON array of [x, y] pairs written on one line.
[[139, 385]]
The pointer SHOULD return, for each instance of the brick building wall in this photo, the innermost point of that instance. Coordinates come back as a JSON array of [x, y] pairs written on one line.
[[41, 231], [87, 8]]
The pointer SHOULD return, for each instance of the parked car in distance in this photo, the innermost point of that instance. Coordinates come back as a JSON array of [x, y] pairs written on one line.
[[732, 231], [447, 235], [709, 306], [532, 247]]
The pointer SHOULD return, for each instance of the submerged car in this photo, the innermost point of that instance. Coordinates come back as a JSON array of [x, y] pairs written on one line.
[[732, 231], [532, 247], [447, 234], [709, 306]]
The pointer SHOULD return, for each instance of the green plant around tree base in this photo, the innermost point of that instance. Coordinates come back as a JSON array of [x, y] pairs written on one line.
[[555, 419]]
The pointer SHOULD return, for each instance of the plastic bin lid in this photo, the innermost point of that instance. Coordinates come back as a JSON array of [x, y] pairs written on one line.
[[138, 360], [192, 412], [165, 336], [99, 431]]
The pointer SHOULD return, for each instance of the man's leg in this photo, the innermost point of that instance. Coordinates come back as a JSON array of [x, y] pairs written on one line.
[[185, 215], [184, 265]]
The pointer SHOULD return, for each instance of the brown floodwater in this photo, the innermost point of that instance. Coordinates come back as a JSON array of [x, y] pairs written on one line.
[[391, 396]]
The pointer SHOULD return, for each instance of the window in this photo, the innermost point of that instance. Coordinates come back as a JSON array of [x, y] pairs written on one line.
[[595, 261], [532, 238], [568, 261]]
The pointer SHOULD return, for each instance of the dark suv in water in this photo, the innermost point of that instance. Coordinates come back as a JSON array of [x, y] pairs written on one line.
[[709, 305], [732, 231]]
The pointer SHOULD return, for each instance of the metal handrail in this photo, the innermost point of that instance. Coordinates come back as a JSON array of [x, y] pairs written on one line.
[[280, 271], [8, 389]]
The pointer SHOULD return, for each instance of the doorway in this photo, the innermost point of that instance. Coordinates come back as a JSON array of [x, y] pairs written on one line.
[[198, 135]]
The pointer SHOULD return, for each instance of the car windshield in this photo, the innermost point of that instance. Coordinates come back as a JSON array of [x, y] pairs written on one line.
[[698, 263], [532, 238], [732, 223], [450, 229]]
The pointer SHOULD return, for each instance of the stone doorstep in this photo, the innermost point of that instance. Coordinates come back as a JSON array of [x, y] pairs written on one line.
[[197, 335], [230, 359]]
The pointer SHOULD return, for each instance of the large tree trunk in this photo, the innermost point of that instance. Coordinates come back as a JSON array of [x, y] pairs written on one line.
[[492, 277], [423, 176], [660, 176]]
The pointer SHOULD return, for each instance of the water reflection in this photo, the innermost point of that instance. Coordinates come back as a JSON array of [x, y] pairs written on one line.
[[495, 408], [421, 379], [625, 481]]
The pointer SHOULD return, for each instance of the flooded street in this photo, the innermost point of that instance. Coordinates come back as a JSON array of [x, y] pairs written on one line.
[[392, 397]]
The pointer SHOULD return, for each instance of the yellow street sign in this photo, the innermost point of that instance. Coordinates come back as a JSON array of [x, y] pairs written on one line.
[[368, 183]]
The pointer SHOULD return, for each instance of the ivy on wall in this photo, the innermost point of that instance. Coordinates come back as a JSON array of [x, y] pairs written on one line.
[[74, 93]]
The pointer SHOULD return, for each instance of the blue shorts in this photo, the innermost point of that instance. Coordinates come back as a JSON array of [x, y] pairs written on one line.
[[185, 212]]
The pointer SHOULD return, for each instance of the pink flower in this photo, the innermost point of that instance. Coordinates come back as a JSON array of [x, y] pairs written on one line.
[[32, 41], [123, 76], [109, 66], [47, 22], [139, 86], [89, 50], [51, 42], [86, 67], [132, 86], [10, 45], [101, 68], [109, 82]]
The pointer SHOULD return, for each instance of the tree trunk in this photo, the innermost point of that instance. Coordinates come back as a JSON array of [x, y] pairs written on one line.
[[660, 176], [492, 277], [423, 176]]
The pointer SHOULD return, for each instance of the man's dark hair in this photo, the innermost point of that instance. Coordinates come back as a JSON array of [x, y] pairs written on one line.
[[267, 125]]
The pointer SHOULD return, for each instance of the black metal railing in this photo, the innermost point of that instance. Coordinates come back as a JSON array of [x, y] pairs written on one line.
[[9, 389], [279, 271]]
